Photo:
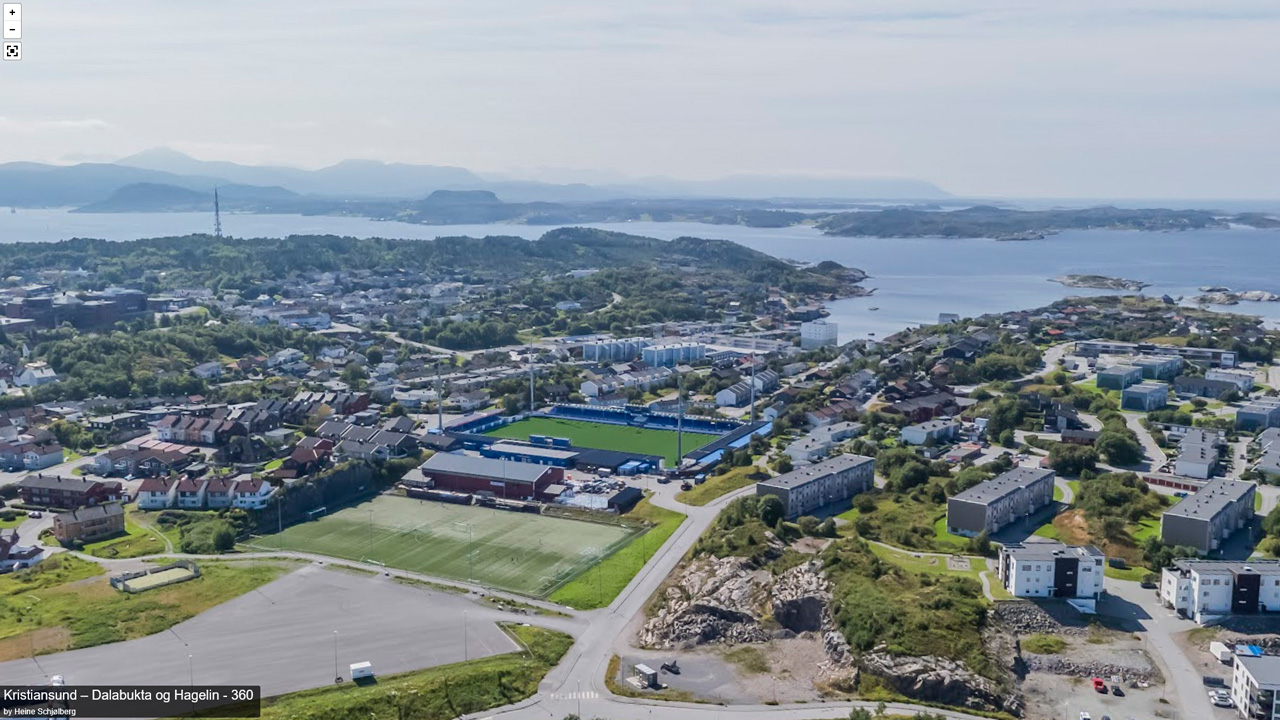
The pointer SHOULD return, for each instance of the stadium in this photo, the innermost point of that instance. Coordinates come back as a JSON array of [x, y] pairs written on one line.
[[625, 439]]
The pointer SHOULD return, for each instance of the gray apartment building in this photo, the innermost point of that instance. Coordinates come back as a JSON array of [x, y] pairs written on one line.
[[999, 501], [1204, 520], [1260, 414], [833, 480], [1158, 367], [1119, 377], [1145, 396]]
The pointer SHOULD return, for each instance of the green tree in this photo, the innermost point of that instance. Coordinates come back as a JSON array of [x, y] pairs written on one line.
[[1118, 448], [771, 510]]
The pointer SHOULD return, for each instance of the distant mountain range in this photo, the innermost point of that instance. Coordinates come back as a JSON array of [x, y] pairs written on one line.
[[154, 179]]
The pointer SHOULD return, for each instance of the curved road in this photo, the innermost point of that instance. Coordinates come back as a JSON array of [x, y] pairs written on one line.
[[577, 685]]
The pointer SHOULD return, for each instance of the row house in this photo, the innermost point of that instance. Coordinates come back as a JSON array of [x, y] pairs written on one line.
[[198, 430], [191, 493], [66, 492]]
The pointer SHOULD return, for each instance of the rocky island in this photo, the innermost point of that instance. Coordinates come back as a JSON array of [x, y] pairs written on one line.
[[1100, 282], [1226, 296]]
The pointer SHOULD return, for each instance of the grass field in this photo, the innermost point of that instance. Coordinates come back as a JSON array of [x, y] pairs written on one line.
[[65, 602], [521, 552], [605, 437], [719, 485], [601, 584]]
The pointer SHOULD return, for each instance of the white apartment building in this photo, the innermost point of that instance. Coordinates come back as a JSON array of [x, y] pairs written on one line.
[[818, 333], [1243, 379], [1207, 589], [1052, 569], [1255, 686]]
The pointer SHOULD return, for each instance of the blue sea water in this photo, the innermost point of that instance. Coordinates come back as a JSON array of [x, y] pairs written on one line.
[[914, 279]]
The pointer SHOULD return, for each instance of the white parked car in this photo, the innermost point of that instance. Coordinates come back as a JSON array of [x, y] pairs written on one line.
[[1221, 699], [1085, 716]]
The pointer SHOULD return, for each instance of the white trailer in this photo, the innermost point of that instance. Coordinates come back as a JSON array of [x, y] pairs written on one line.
[[361, 671], [1221, 651]]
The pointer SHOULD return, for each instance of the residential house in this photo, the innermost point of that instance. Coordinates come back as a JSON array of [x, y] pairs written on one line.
[[252, 493], [158, 493], [191, 493], [207, 371]]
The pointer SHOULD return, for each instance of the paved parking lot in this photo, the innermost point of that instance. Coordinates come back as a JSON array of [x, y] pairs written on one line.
[[282, 637]]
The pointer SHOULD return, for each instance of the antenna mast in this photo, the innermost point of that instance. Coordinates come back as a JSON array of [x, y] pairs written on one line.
[[217, 215]]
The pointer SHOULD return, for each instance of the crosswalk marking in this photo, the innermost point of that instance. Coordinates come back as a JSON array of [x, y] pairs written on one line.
[[584, 695]]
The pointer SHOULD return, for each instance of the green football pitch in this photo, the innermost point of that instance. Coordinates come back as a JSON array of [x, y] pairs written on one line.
[[604, 436], [521, 552]]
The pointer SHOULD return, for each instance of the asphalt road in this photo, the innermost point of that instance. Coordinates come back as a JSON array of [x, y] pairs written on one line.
[[282, 637]]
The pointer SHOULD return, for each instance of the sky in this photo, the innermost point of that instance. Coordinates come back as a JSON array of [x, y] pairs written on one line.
[[998, 98]]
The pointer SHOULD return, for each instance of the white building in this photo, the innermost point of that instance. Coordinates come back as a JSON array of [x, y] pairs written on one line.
[[34, 374], [252, 494], [1204, 590], [808, 449], [1255, 686], [157, 493], [818, 333], [285, 357], [736, 395], [939, 431], [613, 350], [671, 354], [1051, 569], [1243, 379]]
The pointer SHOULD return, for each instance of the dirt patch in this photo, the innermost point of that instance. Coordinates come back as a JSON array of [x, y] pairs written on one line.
[[1072, 527], [44, 640], [958, 563], [810, 545]]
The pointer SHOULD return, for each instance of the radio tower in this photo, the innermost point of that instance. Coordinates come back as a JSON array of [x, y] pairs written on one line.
[[217, 215]]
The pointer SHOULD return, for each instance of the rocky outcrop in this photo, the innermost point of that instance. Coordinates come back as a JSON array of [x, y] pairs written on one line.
[[731, 600], [711, 601], [800, 599], [1223, 296], [937, 679]]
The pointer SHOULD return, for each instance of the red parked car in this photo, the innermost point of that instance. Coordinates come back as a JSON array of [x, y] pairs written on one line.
[[1099, 686]]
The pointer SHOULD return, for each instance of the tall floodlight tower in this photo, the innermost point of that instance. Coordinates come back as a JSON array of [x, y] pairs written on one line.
[[531, 407], [680, 420]]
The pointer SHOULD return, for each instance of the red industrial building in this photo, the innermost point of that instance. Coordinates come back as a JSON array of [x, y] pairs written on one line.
[[504, 478]]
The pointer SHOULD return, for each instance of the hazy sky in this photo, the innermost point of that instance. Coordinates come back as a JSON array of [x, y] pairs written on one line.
[[1078, 98]]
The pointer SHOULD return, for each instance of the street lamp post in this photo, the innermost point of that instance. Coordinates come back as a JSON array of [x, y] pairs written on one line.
[[466, 651], [191, 669], [337, 674]]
